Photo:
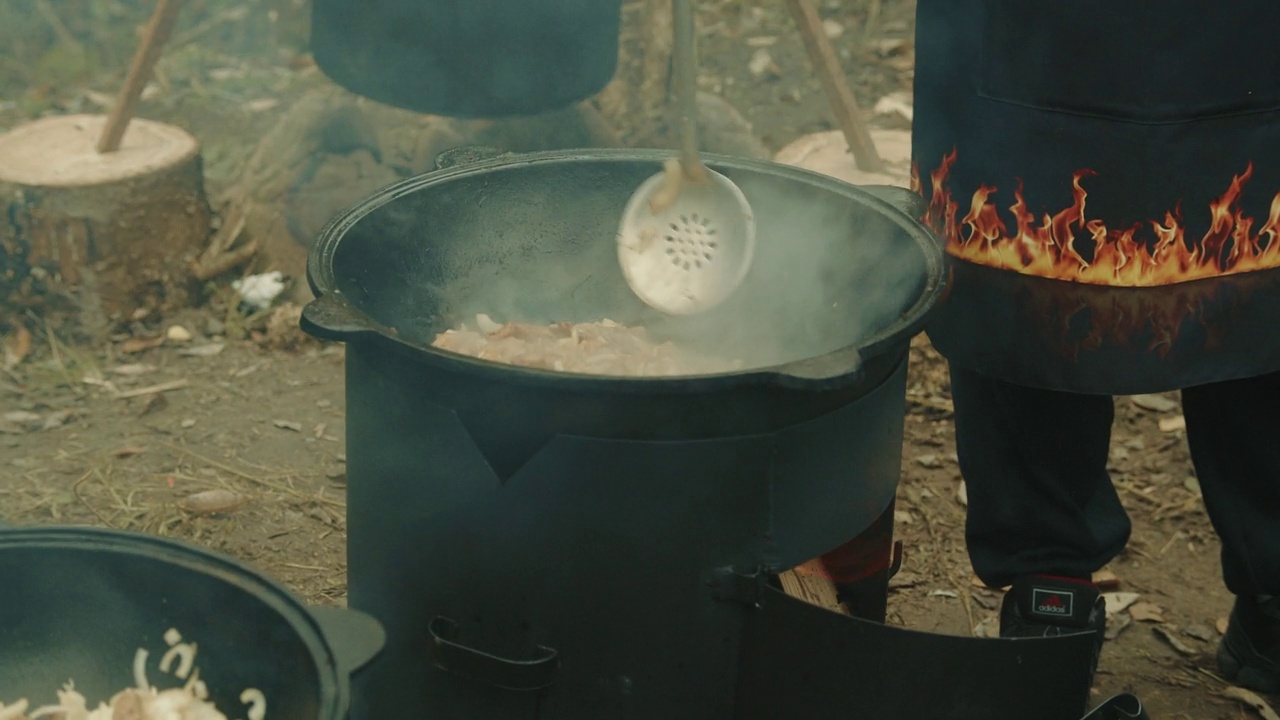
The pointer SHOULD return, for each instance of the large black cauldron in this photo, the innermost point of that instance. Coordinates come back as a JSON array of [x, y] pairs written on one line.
[[548, 545], [468, 58], [77, 604]]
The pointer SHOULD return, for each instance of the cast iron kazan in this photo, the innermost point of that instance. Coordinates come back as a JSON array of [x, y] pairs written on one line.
[[78, 603], [555, 546], [546, 526]]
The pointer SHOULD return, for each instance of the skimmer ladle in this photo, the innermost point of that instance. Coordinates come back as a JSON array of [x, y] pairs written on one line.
[[687, 235]]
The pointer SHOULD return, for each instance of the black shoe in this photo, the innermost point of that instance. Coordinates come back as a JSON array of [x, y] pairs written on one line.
[[1047, 606], [1249, 654]]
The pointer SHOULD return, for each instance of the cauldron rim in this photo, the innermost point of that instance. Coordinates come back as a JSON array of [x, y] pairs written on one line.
[[333, 687], [332, 316]]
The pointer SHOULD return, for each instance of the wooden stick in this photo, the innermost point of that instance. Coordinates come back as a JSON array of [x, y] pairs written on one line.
[[833, 82], [144, 61], [158, 388]]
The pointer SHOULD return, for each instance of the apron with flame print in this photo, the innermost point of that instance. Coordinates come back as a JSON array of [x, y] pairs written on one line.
[[1105, 175]]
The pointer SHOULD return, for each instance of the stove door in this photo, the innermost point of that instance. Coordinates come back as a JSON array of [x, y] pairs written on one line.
[[801, 660]]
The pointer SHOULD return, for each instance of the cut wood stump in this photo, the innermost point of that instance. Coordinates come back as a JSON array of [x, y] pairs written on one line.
[[115, 232]]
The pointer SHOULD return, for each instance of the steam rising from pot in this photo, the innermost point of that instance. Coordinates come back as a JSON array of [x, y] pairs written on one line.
[[534, 243], [823, 275]]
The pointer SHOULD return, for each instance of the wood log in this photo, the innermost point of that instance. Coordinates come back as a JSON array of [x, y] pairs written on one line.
[[114, 232], [811, 583]]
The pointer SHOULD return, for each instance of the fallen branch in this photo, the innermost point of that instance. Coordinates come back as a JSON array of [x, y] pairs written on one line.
[[225, 262], [218, 257], [1253, 700], [1174, 641], [152, 389], [75, 490]]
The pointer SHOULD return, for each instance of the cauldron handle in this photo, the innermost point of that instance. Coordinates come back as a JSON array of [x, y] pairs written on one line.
[[841, 367], [355, 637], [1120, 707], [452, 656], [330, 317]]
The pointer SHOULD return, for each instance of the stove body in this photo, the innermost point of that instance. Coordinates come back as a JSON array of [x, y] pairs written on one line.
[[603, 578]]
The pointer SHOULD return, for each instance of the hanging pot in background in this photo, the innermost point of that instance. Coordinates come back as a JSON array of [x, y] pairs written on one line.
[[468, 58]]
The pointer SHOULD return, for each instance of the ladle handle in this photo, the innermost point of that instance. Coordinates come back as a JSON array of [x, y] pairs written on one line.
[[685, 54]]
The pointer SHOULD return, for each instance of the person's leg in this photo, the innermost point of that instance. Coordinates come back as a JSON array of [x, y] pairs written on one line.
[[1035, 469], [1231, 430], [1043, 514]]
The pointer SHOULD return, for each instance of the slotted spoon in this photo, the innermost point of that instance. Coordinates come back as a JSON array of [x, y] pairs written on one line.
[[687, 235]]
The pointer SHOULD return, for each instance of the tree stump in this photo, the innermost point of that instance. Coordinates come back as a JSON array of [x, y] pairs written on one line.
[[113, 232]]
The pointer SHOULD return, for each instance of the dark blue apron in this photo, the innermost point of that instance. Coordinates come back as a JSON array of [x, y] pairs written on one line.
[[1105, 174]]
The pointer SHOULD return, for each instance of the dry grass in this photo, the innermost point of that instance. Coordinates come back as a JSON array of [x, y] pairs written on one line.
[[302, 520]]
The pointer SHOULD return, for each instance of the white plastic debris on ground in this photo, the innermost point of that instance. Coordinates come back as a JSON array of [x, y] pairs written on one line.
[[260, 290]]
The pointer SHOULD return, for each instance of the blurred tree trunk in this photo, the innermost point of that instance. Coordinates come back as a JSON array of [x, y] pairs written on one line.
[[638, 105], [635, 102]]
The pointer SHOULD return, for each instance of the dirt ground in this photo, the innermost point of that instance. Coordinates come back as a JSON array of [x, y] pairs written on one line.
[[123, 435]]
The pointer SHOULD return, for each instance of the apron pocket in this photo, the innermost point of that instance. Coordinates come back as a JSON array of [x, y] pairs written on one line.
[[1134, 60]]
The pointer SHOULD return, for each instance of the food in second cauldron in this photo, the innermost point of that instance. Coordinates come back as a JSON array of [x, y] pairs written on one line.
[[128, 704], [143, 701], [596, 348]]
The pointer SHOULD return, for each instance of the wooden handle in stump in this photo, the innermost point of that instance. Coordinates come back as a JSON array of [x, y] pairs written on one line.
[[144, 61], [843, 103]]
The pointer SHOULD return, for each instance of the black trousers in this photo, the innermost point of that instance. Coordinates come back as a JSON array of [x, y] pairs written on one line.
[[1041, 500]]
